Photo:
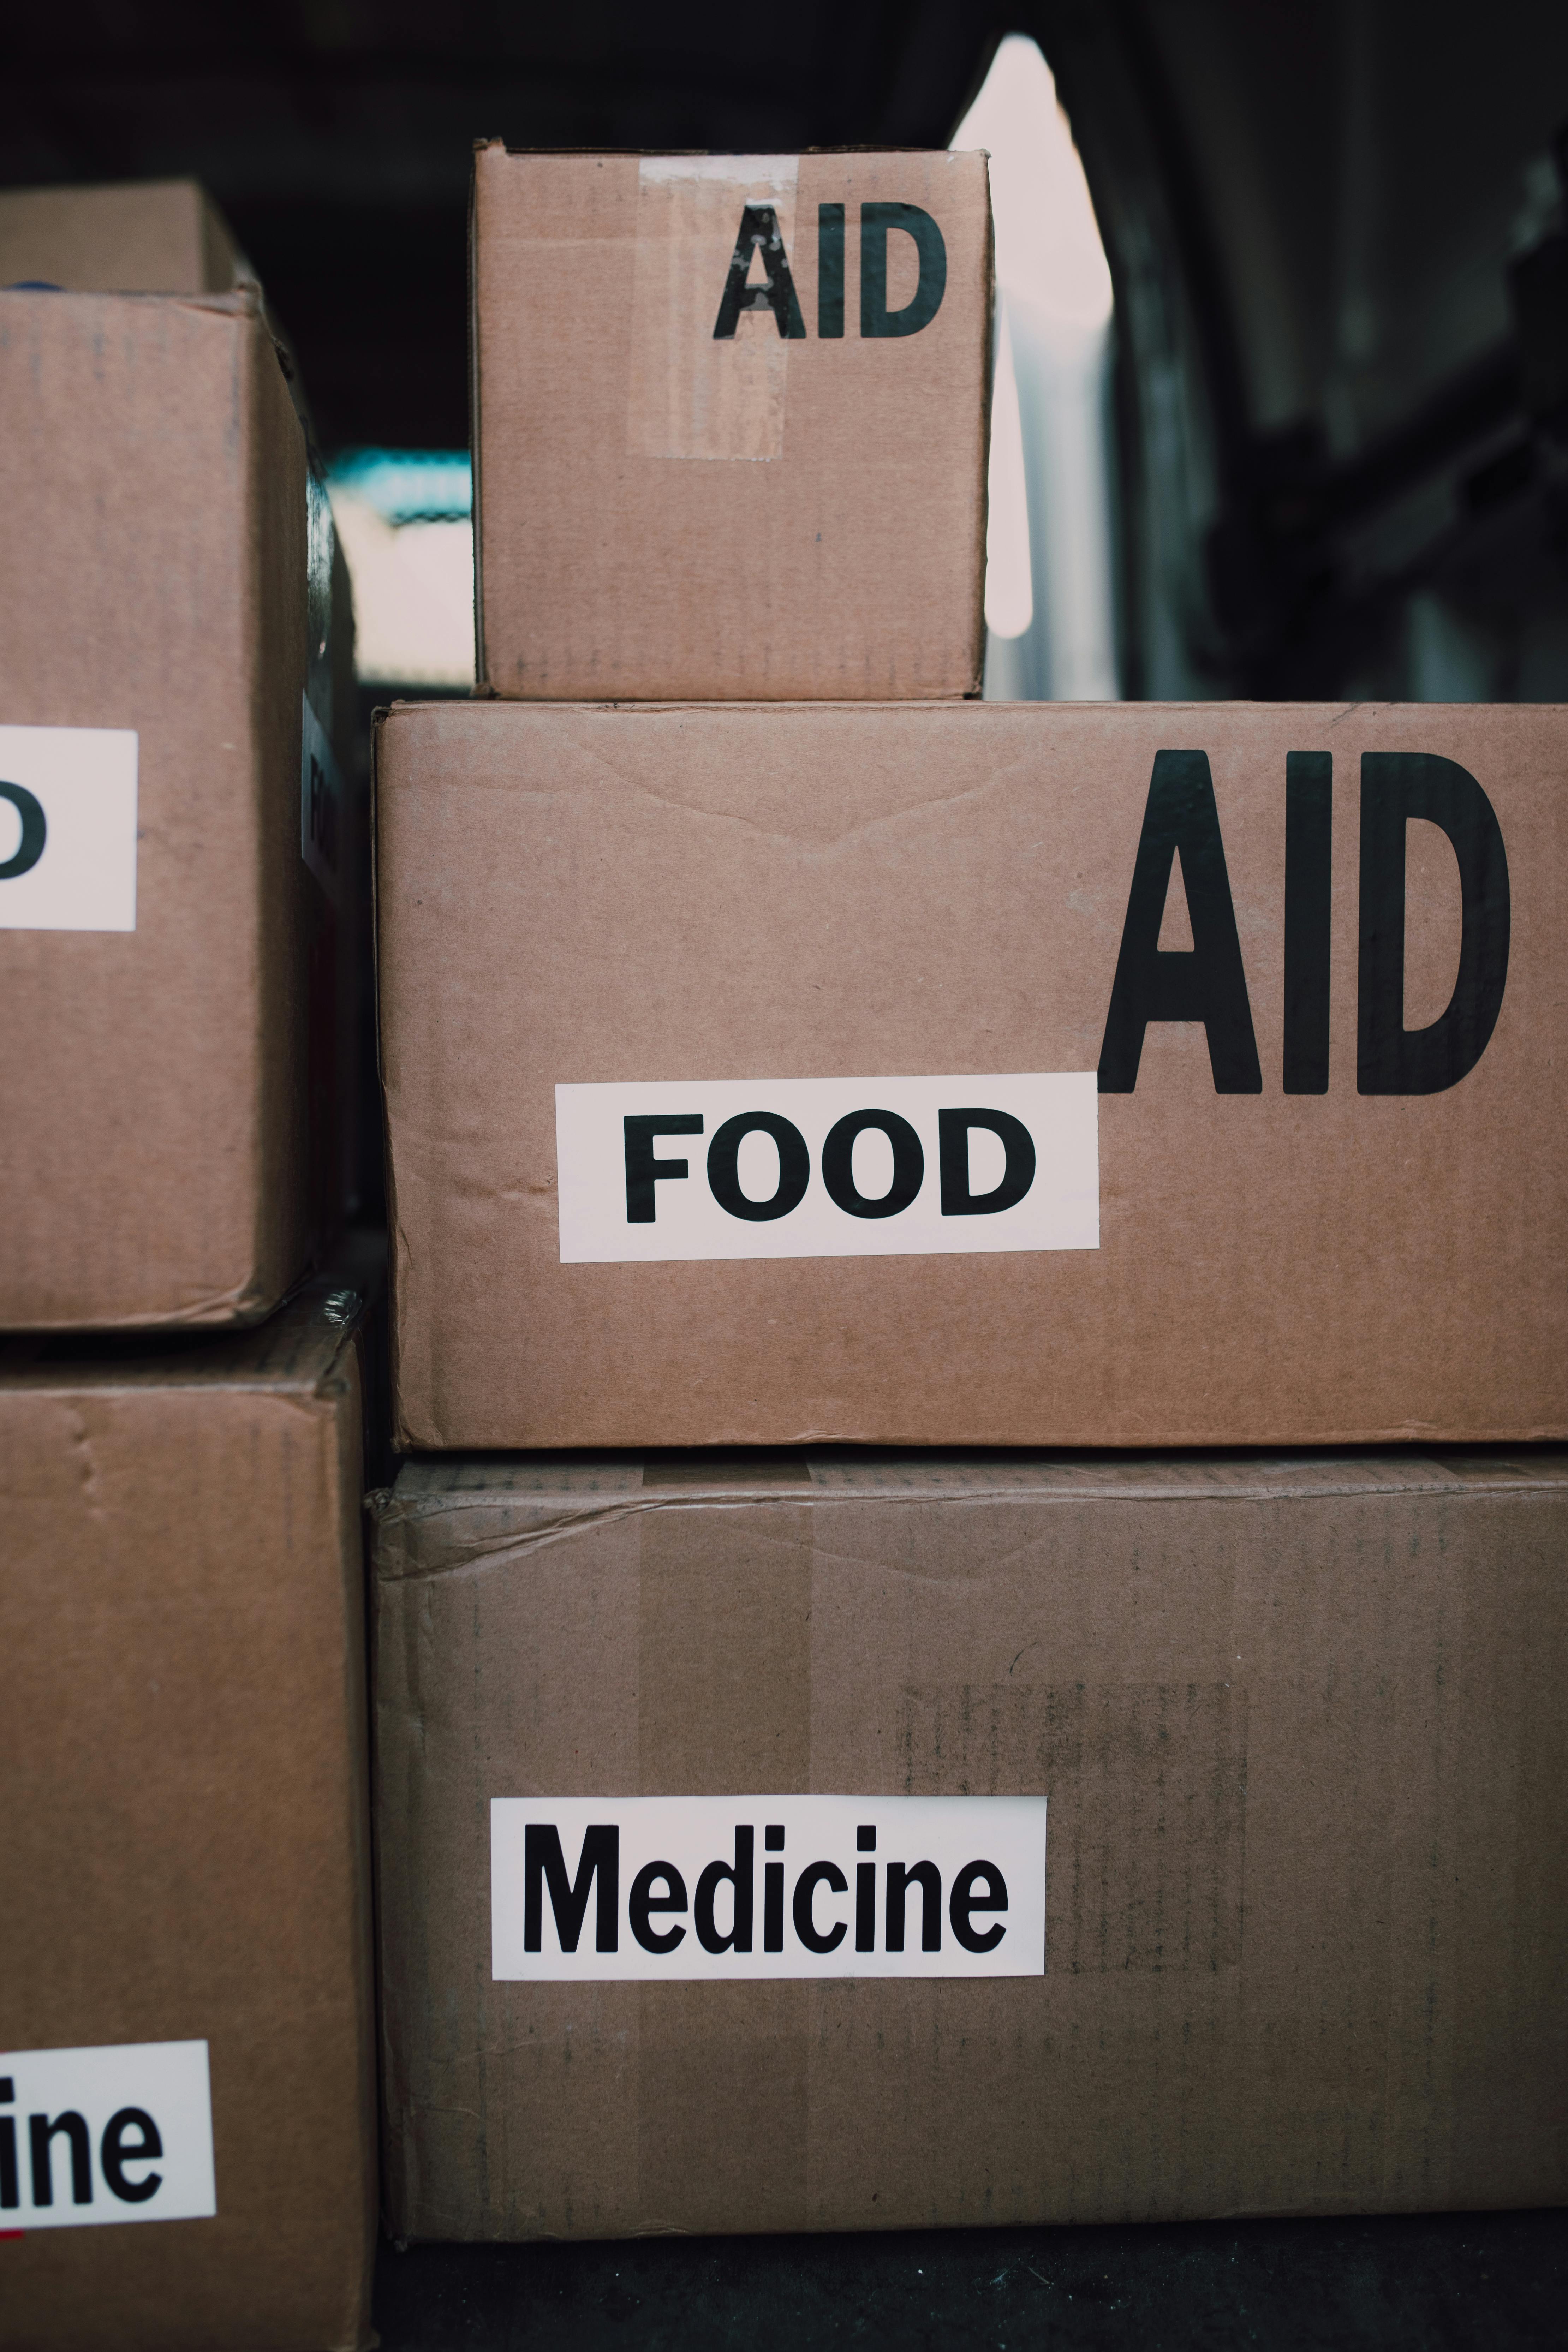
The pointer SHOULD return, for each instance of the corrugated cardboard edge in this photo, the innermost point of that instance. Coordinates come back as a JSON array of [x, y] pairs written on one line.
[[481, 662], [343, 1388], [278, 637], [401, 1437]]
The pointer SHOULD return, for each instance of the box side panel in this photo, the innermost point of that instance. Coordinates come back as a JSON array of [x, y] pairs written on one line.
[[1304, 1908], [183, 1839], [128, 1060], [297, 1175]]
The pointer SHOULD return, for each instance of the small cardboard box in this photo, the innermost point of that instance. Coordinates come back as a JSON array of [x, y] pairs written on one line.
[[848, 1841], [187, 1992], [172, 838], [728, 422], [1107, 1075]]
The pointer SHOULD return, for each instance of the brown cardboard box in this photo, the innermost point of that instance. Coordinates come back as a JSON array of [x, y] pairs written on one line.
[[724, 445], [1298, 1728], [801, 914], [168, 961], [142, 237], [185, 1833]]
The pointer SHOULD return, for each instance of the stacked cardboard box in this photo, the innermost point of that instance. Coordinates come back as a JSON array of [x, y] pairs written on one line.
[[185, 1994], [824, 1838]]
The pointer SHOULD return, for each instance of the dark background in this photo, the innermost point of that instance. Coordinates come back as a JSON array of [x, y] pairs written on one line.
[[1334, 225], [1336, 235]]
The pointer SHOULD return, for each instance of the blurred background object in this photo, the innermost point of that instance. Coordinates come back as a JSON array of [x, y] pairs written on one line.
[[1050, 627], [1338, 369]]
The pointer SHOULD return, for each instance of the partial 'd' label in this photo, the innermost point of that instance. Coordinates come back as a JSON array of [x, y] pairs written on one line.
[[119, 2133], [67, 828], [827, 1167], [605, 1888]]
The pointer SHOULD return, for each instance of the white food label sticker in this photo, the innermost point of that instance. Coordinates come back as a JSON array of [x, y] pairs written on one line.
[[827, 1167], [67, 828], [321, 805], [121, 2133], [602, 1889]]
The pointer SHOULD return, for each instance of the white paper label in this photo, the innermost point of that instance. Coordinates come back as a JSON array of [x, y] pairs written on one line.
[[124, 2133], [827, 1167], [321, 805], [67, 828], [596, 1889]]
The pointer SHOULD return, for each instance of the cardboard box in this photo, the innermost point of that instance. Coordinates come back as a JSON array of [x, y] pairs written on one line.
[[729, 421], [1030, 1150], [171, 854], [1298, 1728], [133, 237], [184, 1840]]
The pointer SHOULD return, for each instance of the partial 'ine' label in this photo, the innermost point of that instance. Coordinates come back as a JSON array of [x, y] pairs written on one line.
[[119, 2133], [827, 1167], [67, 828], [604, 1888]]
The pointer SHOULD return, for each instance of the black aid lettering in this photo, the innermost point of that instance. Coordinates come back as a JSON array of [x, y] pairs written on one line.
[[1309, 880], [642, 1903], [838, 1164], [815, 1874], [544, 1864], [928, 1878], [738, 1875], [1204, 982], [760, 234], [1390, 1059], [40, 2132], [829, 271], [643, 1170], [953, 1153], [876, 318], [724, 1166], [116, 2151], [966, 1900], [35, 831]]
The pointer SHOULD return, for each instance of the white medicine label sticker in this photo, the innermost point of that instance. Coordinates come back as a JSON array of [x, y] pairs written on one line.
[[67, 828], [321, 805], [605, 1889], [827, 1167], [121, 2133]]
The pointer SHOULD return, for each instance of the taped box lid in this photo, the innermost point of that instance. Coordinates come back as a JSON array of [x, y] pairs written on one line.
[[730, 424]]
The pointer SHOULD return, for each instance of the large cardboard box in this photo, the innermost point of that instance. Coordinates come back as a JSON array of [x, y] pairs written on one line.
[[728, 422], [1113, 1074], [171, 831], [187, 1992], [1159, 1839]]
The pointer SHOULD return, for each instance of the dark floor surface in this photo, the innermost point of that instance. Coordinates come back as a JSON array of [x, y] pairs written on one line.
[[1420, 2284]]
